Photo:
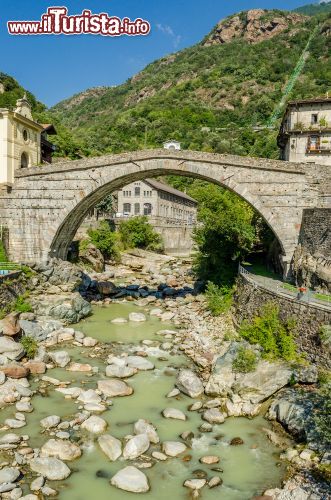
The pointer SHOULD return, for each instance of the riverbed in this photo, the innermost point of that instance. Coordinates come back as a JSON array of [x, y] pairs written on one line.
[[245, 470]]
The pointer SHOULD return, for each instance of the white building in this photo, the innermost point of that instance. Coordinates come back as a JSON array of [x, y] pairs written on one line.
[[305, 133]]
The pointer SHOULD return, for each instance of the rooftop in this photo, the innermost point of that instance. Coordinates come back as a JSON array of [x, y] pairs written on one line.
[[161, 186], [315, 100]]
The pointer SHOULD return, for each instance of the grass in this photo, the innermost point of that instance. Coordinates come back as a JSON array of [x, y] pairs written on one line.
[[260, 270], [320, 296], [288, 286]]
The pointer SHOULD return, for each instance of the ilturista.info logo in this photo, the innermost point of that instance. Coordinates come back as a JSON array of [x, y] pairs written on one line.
[[57, 21]]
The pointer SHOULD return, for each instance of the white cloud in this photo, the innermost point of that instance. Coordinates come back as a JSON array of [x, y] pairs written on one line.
[[167, 30]]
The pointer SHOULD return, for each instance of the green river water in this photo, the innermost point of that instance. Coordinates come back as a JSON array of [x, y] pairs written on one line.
[[247, 470]]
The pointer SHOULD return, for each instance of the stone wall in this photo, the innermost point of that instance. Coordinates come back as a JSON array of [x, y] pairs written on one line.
[[312, 257], [250, 298]]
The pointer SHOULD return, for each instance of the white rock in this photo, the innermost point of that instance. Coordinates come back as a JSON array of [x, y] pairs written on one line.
[[14, 424], [144, 427], [10, 438], [50, 422], [173, 393], [51, 468], [173, 448], [112, 388], [11, 349], [62, 449], [60, 358], [73, 392], [137, 317], [111, 446], [174, 413], [120, 371], [213, 416], [136, 446], [94, 424], [139, 363], [130, 479], [188, 382], [195, 484], [89, 396], [89, 342], [25, 406], [9, 474], [37, 484], [119, 321], [159, 456]]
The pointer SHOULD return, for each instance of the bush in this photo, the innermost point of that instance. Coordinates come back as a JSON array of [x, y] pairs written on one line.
[[106, 240], [3, 255], [138, 233], [30, 346], [273, 334], [219, 298], [323, 415], [22, 305], [245, 361]]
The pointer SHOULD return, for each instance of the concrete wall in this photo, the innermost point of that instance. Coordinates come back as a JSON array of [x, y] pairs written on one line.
[[250, 298]]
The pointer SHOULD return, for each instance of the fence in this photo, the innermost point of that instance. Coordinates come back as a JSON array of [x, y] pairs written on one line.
[[301, 295]]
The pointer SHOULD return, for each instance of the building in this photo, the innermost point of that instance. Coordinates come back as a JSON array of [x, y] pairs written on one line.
[[157, 200], [305, 133], [23, 141], [171, 145]]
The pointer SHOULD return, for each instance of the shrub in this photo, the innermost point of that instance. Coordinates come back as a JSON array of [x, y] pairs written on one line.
[[273, 334], [219, 298], [30, 346], [323, 415], [3, 255], [245, 361], [22, 305], [106, 240], [138, 233]]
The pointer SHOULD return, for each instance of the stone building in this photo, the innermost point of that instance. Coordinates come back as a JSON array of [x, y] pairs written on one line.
[[305, 133], [156, 199], [23, 141]]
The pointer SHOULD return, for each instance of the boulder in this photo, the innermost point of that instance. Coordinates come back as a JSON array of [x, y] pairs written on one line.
[[11, 349], [39, 330], [136, 446], [92, 256], [50, 422], [67, 307], [173, 448], [111, 446], [174, 413], [62, 449], [10, 325], [35, 367], [94, 424], [188, 383], [15, 370], [120, 371], [114, 387], [89, 396], [50, 467], [107, 288], [195, 484], [144, 427], [213, 416], [79, 367], [139, 363], [137, 317], [130, 479], [9, 474], [60, 358]]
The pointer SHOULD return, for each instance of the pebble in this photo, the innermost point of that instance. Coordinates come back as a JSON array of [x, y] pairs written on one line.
[[173, 448], [210, 459], [94, 424], [195, 484], [130, 479], [174, 413], [50, 422]]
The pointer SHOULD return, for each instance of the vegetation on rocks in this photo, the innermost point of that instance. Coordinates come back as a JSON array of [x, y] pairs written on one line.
[[219, 298], [106, 240], [30, 346], [272, 333], [3, 255], [245, 361], [21, 304]]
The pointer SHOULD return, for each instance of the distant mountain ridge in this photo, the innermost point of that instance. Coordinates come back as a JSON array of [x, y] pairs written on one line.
[[314, 9]]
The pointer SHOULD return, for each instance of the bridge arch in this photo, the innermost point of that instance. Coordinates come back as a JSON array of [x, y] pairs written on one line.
[[47, 205]]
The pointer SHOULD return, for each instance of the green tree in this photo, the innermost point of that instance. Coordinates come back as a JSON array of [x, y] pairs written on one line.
[[138, 233]]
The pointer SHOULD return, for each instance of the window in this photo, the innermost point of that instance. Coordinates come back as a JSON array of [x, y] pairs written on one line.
[[24, 160], [147, 208], [137, 208], [126, 208], [314, 118], [137, 191], [313, 142], [25, 135]]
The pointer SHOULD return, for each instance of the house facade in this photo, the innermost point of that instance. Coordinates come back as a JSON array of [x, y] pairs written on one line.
[[23, 141], [156, 200], [305, 133]]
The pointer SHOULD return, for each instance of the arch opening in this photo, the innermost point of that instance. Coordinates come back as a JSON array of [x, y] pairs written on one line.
[[24, 160], [67, 230]]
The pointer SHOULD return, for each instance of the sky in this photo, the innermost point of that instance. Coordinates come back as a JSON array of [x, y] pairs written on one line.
[[57, 67]]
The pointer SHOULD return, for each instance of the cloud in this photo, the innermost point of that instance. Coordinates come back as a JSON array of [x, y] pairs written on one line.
[[167, 30]]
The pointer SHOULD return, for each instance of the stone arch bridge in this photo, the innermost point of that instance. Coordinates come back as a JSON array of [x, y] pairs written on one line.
[[46, 205]]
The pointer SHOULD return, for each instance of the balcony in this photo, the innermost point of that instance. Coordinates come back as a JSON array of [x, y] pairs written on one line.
[[318, 148]]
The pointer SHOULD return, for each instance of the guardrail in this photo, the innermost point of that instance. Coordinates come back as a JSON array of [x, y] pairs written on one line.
[[301, 295]]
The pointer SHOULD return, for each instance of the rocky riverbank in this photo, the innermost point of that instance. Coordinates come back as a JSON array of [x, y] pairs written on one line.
[[164, 289]]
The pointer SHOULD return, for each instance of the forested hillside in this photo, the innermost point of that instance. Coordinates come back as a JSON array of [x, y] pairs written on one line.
[[210, 96], [314, 8]]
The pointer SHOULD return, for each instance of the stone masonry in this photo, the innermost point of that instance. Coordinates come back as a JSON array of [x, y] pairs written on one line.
[[46, 205]]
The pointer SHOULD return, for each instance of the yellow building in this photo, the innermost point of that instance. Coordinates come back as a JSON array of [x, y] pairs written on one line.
[[20, 140]]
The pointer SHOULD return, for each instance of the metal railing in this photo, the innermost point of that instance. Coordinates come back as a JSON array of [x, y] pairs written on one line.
[[301, 294]]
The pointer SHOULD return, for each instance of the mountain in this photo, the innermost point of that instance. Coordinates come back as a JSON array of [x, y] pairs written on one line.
[[314, 9], [211, 96]]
